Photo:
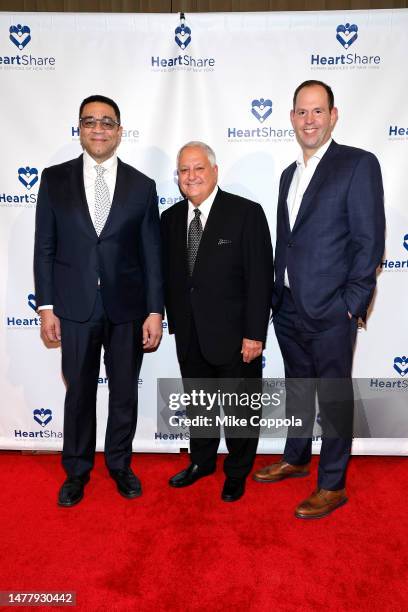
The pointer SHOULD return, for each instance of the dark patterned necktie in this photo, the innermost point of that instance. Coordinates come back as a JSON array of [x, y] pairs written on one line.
[[102, 199], [195, 231]]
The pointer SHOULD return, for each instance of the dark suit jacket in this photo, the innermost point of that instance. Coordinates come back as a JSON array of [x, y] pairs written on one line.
[[229, 293], [337, 241], [69, 257]]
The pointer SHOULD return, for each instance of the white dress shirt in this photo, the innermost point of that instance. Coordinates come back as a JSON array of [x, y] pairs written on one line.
[[204, 209], [111, 166], [300, 182]]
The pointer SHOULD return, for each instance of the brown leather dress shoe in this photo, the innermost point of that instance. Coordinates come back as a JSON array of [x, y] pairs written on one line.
[[320, 503], [280, 471]]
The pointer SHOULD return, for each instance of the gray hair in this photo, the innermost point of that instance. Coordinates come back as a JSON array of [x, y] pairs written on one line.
[[197, 143]]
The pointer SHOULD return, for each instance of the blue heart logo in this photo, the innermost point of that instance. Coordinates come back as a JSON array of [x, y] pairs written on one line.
[[28, 176], [42, 416], [347, 34], [32, 301], [182, 36], [261, 109], [182, 415], [405, 243], [401, 365], [20, 35]]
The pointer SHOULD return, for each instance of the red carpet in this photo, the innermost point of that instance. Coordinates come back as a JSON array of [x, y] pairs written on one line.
[[187, 550]]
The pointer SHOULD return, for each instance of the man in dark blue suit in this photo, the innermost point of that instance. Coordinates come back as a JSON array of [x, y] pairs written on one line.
[[97, 268], [330, 240]]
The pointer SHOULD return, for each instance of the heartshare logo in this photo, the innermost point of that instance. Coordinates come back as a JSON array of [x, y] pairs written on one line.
[[261, 109], [22, 59], [347, 34], [401, 365], [42, 416], [397, 265], [20, 35], [182, 61], [27, 198], [182, 34], [21, 320], [28, 176]]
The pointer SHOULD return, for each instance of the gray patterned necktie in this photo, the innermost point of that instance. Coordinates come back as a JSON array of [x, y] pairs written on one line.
[[102, 199], [195, 231]]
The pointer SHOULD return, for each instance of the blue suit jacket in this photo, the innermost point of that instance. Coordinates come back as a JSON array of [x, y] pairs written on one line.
[[69, 257], [337, 240]]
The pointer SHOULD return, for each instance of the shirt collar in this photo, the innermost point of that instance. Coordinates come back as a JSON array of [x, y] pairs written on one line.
[[90, 163], [317, 156], [205, 206]]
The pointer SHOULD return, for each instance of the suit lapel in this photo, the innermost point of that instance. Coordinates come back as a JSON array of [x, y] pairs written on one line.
[[180, 239], [320, 175], [119, 195], [77, 189], [283, 193]]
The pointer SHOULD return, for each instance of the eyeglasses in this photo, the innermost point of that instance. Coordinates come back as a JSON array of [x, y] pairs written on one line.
[[106, 123]]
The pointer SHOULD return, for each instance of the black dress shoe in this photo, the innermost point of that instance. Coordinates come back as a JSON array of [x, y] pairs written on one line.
[[72, 491], [128, 484], [189, 476], [233, 489]]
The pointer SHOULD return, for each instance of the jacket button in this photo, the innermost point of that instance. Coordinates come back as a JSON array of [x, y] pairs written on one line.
[[290, 245], [191, 289]]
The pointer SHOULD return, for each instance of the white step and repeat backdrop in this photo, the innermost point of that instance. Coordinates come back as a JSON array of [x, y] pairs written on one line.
[[226, 79]]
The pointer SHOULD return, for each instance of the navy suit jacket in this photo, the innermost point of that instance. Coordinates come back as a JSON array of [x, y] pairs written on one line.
[[229, 294], [337, 241], [69, 257]]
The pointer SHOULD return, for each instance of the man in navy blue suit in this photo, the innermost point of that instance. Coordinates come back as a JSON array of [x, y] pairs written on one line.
[[330, 240], [97, 268]]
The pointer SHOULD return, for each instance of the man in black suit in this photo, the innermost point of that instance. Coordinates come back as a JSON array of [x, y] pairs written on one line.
[[218, 285], [330, 240], [97, 268]]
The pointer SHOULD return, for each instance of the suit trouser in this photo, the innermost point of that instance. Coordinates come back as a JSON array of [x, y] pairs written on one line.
[[81, 345], [318, 358], [203, 451]]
